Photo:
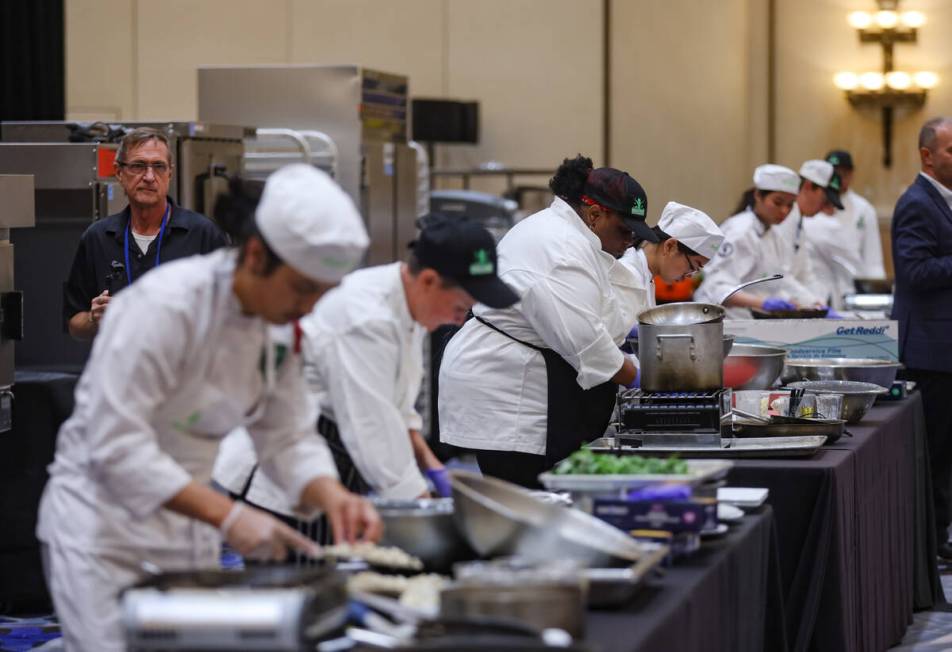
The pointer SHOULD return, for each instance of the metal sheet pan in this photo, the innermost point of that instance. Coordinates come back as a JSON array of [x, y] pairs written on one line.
[[738, 447]]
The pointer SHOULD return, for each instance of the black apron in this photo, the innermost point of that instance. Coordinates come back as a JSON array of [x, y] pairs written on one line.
[[319, 529], [574, 416]]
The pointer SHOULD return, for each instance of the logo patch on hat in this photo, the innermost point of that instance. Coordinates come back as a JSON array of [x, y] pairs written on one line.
[[639, 208], [834, 160], [481, 265]]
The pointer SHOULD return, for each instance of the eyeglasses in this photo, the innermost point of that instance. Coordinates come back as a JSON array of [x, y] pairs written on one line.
[[138, 168], [694, 269]]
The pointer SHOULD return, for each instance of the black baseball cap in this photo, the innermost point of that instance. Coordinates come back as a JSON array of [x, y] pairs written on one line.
[[616, 190], [461, 249], [840, 158]]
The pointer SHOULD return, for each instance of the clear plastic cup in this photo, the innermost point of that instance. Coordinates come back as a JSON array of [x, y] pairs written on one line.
[[829, 406]]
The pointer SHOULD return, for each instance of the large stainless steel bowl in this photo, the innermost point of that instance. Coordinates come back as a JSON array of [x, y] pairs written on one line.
[[498, 518], [426, 529], [857, 397], [752, 366], [682, 314], [863, 370]]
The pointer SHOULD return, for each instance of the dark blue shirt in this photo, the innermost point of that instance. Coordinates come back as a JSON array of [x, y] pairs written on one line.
[[99, 263]]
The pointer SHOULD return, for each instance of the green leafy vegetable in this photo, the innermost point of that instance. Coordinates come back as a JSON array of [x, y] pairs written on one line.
[[585, 462]]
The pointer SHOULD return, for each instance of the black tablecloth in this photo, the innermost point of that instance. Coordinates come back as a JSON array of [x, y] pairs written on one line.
[[42, 401], [726, 597], [853, 526]]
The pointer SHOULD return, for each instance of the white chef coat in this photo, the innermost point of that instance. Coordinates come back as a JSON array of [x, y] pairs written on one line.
[[364, 364], [752, 250], [575, 299], [636, 260], [175, 367], [834, 256], [859, 230]]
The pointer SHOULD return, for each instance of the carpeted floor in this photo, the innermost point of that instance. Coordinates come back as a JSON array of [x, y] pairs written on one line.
[[931, 630]]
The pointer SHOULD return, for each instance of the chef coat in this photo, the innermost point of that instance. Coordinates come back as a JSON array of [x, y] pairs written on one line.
[[860, 228], [575, 299], [636, 261], [834, 256], [753, 250], [175, 367], [364, 364]]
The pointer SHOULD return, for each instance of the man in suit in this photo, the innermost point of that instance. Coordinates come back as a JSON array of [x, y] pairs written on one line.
[[922, 251]]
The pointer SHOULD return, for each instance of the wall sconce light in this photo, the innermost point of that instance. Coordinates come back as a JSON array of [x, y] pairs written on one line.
[[889, 89]]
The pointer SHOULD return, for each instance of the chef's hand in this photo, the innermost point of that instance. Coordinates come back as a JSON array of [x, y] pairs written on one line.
[[98, 307], [832, 314], [352, 517], [257, 535], [441, 481], [776, 303]]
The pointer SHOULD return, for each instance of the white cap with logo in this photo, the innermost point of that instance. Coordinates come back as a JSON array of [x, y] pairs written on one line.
[[824, 175], [776, 178], [694, 228], [311, 223]]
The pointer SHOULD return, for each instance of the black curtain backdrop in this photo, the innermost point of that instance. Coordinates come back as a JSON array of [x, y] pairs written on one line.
[[32, 60]]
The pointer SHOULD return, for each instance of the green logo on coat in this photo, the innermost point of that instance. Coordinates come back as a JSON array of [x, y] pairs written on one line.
[[481, 265], [639, 207]]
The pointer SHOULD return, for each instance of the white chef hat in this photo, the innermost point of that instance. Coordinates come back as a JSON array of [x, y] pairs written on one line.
[[311, 223], [776, 178], [694, 228]]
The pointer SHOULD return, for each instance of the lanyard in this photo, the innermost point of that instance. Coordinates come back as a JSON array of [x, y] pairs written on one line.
[[158, 247]]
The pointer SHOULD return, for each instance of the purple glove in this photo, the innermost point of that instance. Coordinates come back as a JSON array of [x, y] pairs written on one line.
[[441, 481], [660, 492], [776, 303], [832, 314], [633, 333]]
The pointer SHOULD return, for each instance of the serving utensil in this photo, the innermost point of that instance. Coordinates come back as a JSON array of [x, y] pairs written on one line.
[[775, 277]]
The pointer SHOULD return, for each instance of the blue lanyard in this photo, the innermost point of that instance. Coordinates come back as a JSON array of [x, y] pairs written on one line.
[[158, 247]]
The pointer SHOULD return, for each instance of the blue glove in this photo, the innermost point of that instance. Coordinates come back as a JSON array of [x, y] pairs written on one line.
[[441, 481], [776, 303], [633, 333], [832, 314]]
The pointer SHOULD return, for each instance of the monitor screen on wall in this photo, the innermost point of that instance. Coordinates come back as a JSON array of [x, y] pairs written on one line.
[[445, 121]]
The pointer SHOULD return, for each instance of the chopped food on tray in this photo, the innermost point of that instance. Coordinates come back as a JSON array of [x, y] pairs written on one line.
[[418, 592], [383, 556], [585, 462]]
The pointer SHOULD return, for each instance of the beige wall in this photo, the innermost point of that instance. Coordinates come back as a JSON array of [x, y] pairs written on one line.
[[681, 101], [136, 60], [689, 76], [814, 41]]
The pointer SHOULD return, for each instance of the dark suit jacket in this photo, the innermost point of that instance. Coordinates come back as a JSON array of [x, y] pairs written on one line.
[[922, 253]]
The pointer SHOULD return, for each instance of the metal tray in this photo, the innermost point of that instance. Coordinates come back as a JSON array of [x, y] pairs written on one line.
[[699, 471], [614, 587], [832, 429], [738, 447]]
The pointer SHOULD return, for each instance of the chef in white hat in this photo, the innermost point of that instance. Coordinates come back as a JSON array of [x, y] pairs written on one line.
[[688, 240], [182, 357], [755, 247], [819, 190]]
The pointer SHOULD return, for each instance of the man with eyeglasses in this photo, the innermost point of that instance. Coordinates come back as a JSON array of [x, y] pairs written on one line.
[[115, 251]]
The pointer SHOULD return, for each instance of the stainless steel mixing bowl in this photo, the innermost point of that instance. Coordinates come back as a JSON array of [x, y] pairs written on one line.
[[857, 397], [752, 366], [498, 518], [863, 370]]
